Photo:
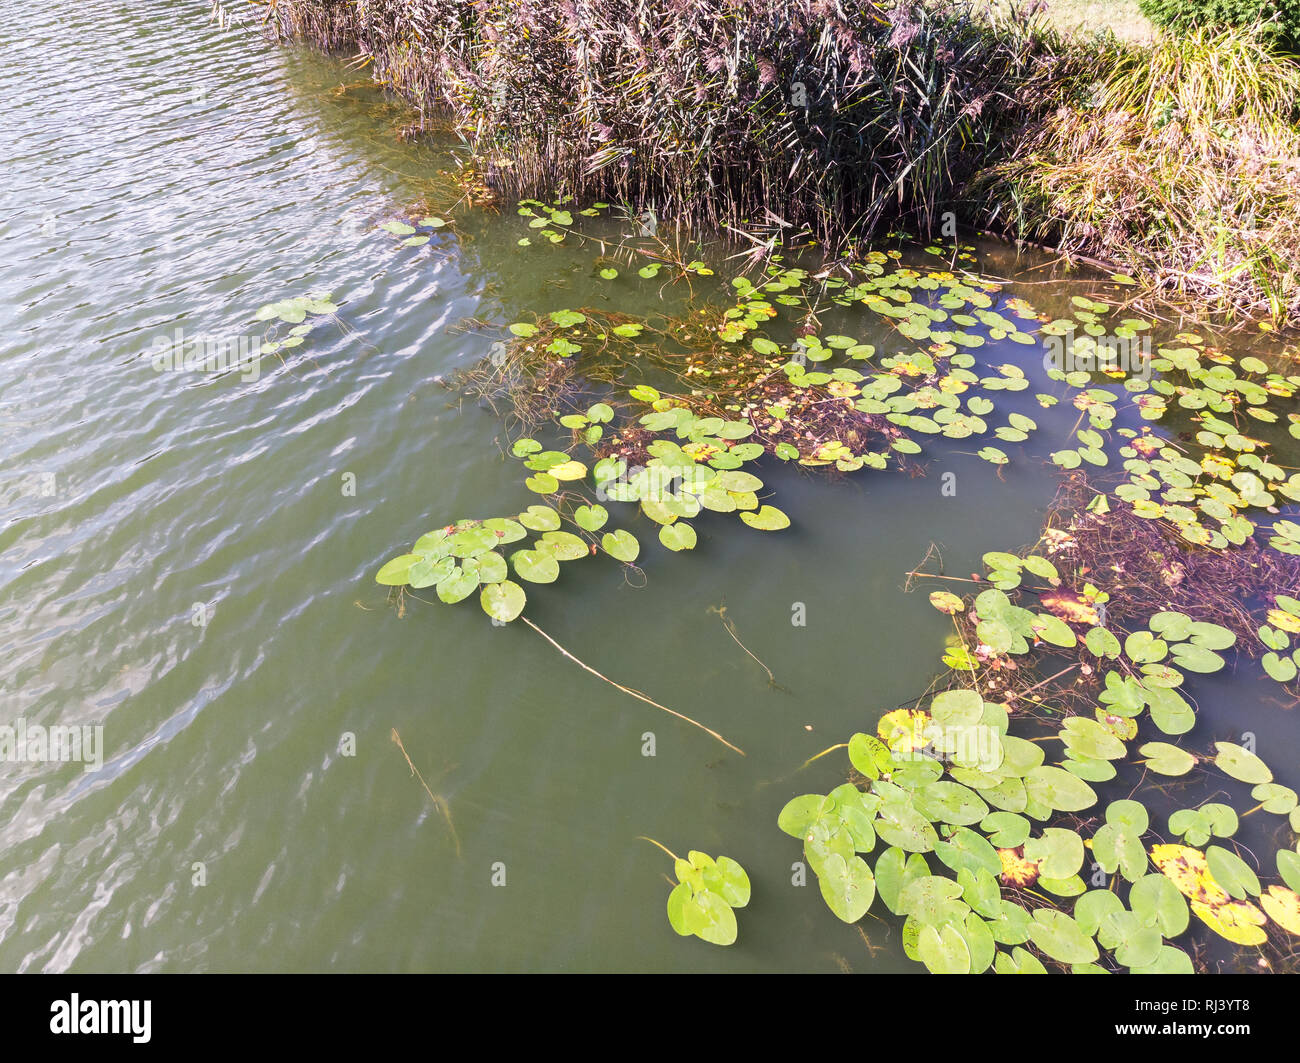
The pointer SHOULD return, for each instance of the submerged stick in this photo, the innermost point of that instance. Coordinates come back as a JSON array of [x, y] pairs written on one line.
[[628, 690], [643, 838], [731, 630], [440, 803]]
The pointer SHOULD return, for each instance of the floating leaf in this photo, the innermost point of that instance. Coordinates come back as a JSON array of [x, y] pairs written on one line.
[[394, 573], [678, 536], [535, 566], [1238, 921], [1056, 934], [1241, 764], [847, 886], [621, 545], [768, 518], [944, 950], [1058, 789], [1283, 907], [503, 601], [1166, 759], [946, 602], [1232, 873], [591, 518]]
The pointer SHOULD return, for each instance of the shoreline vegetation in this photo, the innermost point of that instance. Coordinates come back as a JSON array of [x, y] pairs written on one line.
[[1177, 163]]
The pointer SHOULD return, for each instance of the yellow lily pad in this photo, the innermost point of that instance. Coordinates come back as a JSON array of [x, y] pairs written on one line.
[[1238, 921], [903, 730], [1283, 907], [1188, 869], [1281, 619]]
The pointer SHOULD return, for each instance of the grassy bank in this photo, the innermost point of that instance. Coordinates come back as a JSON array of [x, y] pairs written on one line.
[[1178, 163]]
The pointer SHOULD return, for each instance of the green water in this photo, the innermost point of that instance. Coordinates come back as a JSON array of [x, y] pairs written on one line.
[[182, 563]]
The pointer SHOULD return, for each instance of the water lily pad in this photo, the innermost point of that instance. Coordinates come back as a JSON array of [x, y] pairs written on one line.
[[1241, 764], [678, 536], [1061, 938], [847, 886], [591, 518], [1166, 759], [950, 802], [1238, 921], [1058, 852], [895, 870], [540, 518], [535, 566], [460, 583], [1058, 789], [902, 826], [946, 602], [1006, 830], [1283, 907], [621, 545], [1171, 713], [503, 601], [965, 848], [1231, 872], [562, 545], [1018, 961], [395, 572], [768, 518], [944, 950]]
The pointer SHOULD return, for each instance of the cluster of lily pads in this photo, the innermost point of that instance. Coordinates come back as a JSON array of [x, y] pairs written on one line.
[[303, 312], [954, 822], [698, 470], [929, 386], [1284, 621], [1174, 645], [706, 893], [411, 234]]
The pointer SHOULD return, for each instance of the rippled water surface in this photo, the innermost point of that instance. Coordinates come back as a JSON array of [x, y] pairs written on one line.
[[182, 562]]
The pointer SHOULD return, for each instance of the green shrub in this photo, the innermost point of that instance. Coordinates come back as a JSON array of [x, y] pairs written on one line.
[[1279, 19]]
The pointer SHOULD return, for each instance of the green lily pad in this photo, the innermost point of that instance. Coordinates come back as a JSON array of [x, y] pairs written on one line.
[[677, 536], [460, 583], [503, 601], [768, 518], [394, 573], [943, 950], [1232, 873], [1058, 853], [1061, 938], [847, 886], [621, 545], [1018, 961], [1155, 900], [1166, 759], [535, 566], [1241, 764], [1058, 789], [591, 518]]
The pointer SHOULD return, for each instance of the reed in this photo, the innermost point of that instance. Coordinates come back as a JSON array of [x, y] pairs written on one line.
[[800, 115], [827, 119]]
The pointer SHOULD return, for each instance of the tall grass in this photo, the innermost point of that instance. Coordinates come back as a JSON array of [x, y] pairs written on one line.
[[1183, 165], [831, 117]]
